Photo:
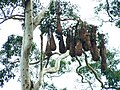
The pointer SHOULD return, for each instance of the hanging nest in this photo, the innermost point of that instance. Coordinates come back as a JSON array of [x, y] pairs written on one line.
[[78, 48], [68, 41], [83, 32], [103, 53], [94, 49], [85, 37], [59, 27], [78, 43], [48, 51], [86, 44], [62, 48], [95, 52], [103, 59], [72, 50], [72, 45], [52, 42], [93, 33]]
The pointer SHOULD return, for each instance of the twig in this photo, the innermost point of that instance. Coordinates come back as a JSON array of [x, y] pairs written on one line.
[[79, 74], [78, 61], [13, 10], [34, 63], [77, 70], [3, 12], [108, 10]]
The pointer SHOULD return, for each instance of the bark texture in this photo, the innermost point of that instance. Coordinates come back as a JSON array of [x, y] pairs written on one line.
[[26, 47]]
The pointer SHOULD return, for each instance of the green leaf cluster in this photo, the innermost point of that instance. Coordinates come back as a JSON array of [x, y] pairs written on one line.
[[112, 8]]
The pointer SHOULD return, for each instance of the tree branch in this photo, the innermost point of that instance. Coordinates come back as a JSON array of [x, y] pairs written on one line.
[[49, 70], [34, 62], [15, 17], [57, 64], [69, 19], [108, 10], [44, 58], [13, 9], [37, 19], [78, 61], [3, 12], [94, 72]]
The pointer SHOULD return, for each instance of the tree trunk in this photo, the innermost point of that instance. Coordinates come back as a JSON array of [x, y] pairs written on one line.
[[26, 47]]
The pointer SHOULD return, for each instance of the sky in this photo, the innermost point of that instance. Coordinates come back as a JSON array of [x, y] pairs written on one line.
[[86, 14]]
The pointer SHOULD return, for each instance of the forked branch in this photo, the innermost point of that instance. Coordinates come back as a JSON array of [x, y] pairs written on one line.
[[37, 19], [57, 64]]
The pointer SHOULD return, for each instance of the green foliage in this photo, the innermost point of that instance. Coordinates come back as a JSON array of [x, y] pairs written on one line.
[[63, 65], [113, 77], [37, 7], [49, 22], [118, 24], [115, 9], [112, 73], [10, 57], [52, 63], [8, 2], [49, 87], [11, 48], [112, 7]]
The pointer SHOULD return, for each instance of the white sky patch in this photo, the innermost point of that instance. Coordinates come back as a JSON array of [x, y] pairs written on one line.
[[8, 28], [113, 33]]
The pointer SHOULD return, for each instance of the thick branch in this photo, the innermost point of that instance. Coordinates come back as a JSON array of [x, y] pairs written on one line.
[[49, 70], [57, 64], [94, 72]]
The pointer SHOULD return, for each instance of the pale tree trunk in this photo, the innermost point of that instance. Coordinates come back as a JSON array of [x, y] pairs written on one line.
[[26, 46], [30, 24]]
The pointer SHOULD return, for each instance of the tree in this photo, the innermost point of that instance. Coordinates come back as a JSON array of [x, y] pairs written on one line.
[[81, 37]]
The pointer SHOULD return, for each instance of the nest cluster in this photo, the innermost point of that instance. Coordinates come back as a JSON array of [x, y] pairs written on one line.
[[79, 38]]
